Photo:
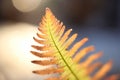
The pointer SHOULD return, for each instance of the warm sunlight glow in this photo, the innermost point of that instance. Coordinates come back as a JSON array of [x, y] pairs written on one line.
[[15, 56]]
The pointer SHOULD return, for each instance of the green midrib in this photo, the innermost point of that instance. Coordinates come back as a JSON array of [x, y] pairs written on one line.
[[61, 54]]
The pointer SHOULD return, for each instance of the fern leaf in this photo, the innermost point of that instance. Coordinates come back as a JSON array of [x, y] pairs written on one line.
[[56, 42]]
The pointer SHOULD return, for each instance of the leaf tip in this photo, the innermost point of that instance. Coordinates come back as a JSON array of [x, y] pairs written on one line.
[[34, 72], [48, 10], [85, 39]]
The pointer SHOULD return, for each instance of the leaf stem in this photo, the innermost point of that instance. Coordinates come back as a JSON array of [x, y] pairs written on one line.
[[62, 55]]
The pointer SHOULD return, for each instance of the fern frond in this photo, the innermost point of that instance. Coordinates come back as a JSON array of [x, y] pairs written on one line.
[[56, 44]]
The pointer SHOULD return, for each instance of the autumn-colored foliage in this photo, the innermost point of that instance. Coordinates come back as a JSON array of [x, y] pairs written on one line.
[[56, 44]]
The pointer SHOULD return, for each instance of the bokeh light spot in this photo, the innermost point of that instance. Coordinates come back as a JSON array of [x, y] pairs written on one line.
[[26, 5]]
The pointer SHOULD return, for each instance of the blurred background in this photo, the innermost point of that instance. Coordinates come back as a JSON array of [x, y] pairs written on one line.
[[99, 20]]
